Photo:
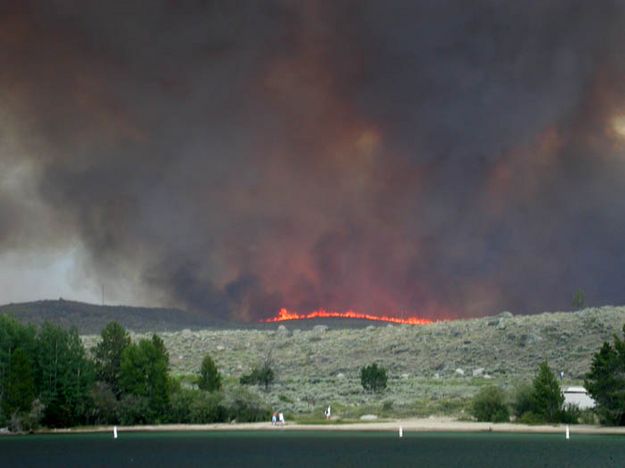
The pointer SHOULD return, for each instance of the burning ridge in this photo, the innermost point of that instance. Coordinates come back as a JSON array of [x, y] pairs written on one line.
[[285, 315]]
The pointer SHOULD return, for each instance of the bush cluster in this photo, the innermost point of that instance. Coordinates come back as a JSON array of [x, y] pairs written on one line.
[[540, 402]]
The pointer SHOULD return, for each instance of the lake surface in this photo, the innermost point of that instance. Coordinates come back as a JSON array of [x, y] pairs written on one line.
[[307, 449]]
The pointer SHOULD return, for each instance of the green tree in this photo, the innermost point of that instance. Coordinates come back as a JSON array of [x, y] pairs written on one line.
[[210, 378], [17, 367], [490, 405], [20, 383], [579, 300], [547, 397], [606, 382], [144, 367], [108, 355], [263, 375], [105, 409], [373, 378], [65, 376]]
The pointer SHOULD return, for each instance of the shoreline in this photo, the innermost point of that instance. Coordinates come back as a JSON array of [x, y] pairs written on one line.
[[407, 425]]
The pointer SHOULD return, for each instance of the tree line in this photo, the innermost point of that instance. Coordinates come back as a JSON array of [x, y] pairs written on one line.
[[48, 378]]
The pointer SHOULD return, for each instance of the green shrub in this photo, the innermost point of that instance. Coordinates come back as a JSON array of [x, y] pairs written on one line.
[[243, 410], [531, 418], [588, 416], [134, 410], [208, 408], [570, 414], [27, 421], [490, 405], [180, 402], [522, 400], [387, 405], [244, 406], [373, 378], [105, 409]]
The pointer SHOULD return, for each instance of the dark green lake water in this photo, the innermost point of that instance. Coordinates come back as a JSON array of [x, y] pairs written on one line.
[[307, 449]]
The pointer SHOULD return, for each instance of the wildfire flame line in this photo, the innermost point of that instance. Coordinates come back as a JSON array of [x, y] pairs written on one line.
[[285, 315]]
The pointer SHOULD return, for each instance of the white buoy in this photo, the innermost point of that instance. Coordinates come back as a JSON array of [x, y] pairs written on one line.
[[114, 432], [401, 431], [567, 432]]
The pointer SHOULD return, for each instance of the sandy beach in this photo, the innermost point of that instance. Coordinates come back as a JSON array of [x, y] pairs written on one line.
[[432, 424]]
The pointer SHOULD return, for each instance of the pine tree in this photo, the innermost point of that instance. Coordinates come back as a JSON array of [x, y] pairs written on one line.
[[373, 378], [210, 378], [606, 382], [547, 397]]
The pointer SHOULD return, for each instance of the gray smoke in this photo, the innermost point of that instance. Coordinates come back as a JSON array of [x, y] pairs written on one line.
[[441, 158]]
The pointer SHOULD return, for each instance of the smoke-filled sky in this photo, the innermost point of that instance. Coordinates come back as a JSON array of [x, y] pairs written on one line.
[[442, 158]]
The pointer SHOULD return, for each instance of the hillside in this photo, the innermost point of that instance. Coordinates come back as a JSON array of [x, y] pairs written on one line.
[[432, 368], [91, 318]]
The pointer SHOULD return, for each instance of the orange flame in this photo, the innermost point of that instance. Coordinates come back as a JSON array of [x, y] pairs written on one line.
[[285, 315]]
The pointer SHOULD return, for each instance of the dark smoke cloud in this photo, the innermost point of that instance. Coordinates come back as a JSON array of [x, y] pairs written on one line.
[[446, 158]]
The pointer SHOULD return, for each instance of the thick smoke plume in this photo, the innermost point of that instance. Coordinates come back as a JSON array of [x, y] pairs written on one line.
[[441, 158]]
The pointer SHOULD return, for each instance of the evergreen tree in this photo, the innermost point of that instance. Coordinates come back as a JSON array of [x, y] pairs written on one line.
[[373, 378], [547, 397], [210, 378], [263, 375], [144, 368], [108, 355], [606, 382]]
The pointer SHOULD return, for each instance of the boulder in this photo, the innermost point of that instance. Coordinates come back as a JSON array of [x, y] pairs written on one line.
[[368, 417], [478, 372], [320, 328]]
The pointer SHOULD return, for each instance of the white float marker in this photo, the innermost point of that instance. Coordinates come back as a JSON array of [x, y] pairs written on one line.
[[114, 432], [401, 431], [567, 432]]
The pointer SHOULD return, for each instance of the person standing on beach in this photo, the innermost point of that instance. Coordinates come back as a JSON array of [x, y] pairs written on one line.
[[274, 418], [281, 418]]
